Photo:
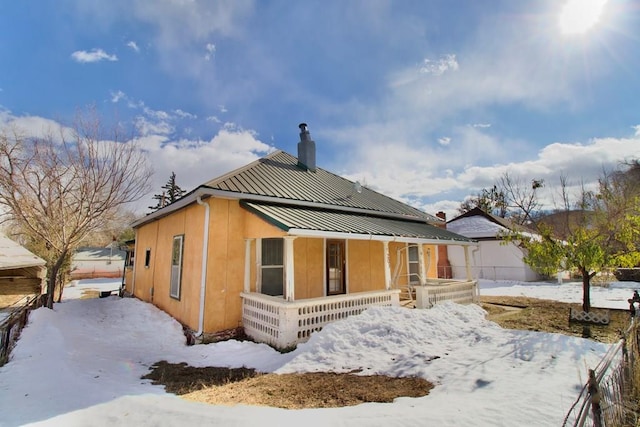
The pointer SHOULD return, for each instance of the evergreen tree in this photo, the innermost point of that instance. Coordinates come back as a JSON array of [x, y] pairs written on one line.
[[171, 193]]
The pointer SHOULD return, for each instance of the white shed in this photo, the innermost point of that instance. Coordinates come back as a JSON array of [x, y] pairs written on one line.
[[493, 259]]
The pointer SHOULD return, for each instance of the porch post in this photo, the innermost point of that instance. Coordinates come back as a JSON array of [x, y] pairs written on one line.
[[289, 283], [467, 264], [423, 276], [247, 265], [387, 266]]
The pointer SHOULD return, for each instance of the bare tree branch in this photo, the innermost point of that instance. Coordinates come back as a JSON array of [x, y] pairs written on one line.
[[59, 190]]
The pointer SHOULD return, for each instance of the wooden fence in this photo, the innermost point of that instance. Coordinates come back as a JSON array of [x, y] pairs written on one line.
[[610, 396], [11, 326]]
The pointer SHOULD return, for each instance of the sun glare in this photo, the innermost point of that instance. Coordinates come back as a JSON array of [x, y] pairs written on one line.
[[578, 16]]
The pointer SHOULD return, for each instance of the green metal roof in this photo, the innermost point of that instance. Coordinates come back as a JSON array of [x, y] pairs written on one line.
[[317, 203], [278, 175], [307, 221]]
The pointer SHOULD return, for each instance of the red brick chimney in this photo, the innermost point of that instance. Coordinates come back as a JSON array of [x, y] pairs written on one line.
[[444, 266]]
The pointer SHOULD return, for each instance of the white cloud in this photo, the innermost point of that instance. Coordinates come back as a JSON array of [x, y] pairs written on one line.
[[184, 115], [117, 96], [156, 114], [417, 174], [440, 66], [481, 125], [177, 29], [198, 161], [133, 45], [210, 48], [445, 140], [94, 55], [34, 126], [145, 126], [213, 119]]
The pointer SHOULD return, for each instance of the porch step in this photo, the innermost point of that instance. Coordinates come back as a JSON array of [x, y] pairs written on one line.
[[407, 293]]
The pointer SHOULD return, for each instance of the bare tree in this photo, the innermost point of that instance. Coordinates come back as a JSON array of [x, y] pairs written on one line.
[[521, 197], [491, 201], [56, 190]]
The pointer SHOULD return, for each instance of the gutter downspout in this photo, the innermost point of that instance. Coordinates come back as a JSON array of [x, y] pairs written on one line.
[[203, 274]]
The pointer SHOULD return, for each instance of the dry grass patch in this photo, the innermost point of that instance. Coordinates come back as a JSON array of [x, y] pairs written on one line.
[[226, 386], [532, 314], [312, 390]]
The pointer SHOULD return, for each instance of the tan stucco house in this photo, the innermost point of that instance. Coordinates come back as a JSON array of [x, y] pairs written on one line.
[[281, 247]]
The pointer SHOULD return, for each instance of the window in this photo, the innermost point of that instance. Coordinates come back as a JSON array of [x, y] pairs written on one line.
[[130, 258], [414, 265], [176, 266], [272, 278], [147, 258]]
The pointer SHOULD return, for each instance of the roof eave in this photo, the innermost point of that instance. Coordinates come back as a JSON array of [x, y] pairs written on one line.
[[298, 232]]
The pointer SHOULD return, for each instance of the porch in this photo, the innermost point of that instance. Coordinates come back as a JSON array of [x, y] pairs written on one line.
[[435, 291], [284, 324]]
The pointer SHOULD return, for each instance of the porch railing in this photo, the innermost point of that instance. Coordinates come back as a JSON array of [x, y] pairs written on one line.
[[436, 291], [284, 324]]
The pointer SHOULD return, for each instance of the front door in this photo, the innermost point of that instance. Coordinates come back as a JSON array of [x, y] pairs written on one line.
[[335, 267]]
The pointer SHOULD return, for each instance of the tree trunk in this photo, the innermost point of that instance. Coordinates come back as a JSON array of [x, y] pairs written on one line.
[[62, 279], [53, 278], [586, 289], [61, 287], [51, 286]]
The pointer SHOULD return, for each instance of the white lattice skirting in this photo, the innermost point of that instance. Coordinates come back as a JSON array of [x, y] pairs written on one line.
[[284, 324], [599, 317]]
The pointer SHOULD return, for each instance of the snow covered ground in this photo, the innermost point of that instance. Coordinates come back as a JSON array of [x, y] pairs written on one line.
[[80, 365], [76, 288]]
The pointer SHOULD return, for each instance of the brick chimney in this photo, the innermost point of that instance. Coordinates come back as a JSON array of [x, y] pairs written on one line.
[[444, 266], [306, 150]]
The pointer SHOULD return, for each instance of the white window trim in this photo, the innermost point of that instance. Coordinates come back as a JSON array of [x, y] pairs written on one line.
[[260, 267], [324, 264], [176, 295]]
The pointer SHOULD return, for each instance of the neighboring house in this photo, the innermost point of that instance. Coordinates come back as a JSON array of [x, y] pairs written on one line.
[[281, 247], [493, 259], [93, 262], [22, 274]]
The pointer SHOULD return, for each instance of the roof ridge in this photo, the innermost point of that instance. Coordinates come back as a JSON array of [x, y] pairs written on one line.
[[241, 169]]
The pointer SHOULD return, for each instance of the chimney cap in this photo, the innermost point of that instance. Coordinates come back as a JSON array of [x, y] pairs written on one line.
[[303, 127]]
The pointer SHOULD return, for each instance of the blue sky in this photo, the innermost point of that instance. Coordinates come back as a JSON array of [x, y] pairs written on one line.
[[426, 101]]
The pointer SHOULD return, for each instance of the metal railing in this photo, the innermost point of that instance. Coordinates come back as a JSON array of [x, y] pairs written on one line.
[[11, 326]]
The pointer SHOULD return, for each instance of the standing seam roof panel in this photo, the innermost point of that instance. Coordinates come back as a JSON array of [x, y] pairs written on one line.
[[331, 221], [278, 175]]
